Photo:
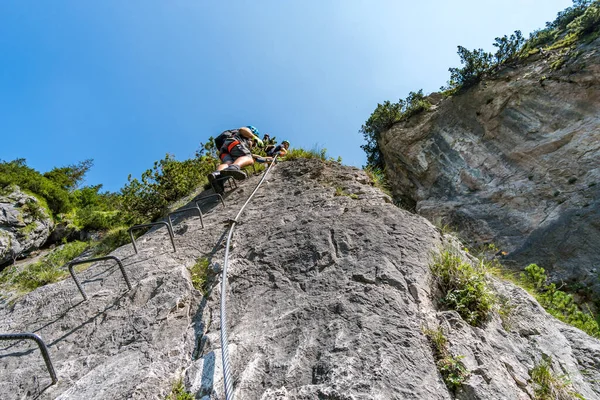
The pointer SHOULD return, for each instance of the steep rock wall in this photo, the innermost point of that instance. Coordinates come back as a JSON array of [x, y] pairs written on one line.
[[514, 161], [327, 298]]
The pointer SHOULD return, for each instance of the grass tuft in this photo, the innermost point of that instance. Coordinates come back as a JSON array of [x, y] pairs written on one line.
[[178, 392], [200, 272], [549, 386], [453, 371], [41, 273], [464, 287]]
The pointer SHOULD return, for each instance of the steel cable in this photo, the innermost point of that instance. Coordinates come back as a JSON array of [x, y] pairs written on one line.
[[227, 379]]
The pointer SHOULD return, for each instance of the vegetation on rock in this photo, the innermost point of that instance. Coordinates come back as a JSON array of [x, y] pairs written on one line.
[[548, 386], [464, 287], [50, 269], [557, 302], [453, 371]]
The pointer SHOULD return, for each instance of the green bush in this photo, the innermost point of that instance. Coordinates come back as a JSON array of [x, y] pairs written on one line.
[[464, 287], [17, 172], [90, 219], [476, 64], [168, 180], [382, 119], [558, 303], [587, 22], [178, 392], [539, 38], [200, 272], [508, 47], [565, 17], [71, 176]]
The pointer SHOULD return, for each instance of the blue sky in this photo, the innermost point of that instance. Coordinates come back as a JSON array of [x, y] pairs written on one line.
[[124, 82]]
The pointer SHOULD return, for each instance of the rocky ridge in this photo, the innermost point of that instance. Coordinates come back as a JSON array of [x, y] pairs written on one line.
[[25, 224], [513, 161], [328, 297]]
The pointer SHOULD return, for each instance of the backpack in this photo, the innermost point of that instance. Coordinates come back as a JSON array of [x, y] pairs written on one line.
[[220, 140]]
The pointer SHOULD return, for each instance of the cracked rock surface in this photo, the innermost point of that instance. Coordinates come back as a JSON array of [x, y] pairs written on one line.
[[327, 296]]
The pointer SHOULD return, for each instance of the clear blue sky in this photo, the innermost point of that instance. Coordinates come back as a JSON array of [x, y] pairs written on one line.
[[124, 82]]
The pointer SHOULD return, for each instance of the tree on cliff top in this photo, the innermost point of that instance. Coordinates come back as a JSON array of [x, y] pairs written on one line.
[[382, 119]]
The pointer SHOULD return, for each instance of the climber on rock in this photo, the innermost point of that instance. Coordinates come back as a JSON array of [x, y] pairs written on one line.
[[281, 149], [271, 151], [267, 141], [234, 148]]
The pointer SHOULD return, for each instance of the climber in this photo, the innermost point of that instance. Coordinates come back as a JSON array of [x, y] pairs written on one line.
[[234, 147], [282, 149], [267, 140], [272, 151]]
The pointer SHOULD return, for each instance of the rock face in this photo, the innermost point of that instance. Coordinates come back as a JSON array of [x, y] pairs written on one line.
[[24, 224], [327, 298], [514, 161]]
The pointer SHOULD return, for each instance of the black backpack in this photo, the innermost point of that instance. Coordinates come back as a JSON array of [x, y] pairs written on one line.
[[220, 140]]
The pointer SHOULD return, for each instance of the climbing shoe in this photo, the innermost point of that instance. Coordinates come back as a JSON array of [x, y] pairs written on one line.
[[216, 183], [235, 172]]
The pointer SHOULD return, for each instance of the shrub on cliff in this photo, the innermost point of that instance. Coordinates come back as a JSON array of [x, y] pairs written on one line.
[[384, 116], [587, 22], [18, 173], [475, 64], [558, 303], [464, 287], [167, 181]]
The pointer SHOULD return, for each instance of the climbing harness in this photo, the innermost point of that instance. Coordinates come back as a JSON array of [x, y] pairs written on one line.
[[227, 379]]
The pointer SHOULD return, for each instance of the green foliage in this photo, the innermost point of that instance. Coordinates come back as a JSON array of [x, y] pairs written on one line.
[[587, 22], [168, 180], [178, 392], [315, 152], [508, 47], [450, 367], [114, 238], [69, 177], [464, 287], [17, 172], [384, 116], [475, 63], [378, 179], [200, 272], [539, 38], [339, 191], [565, 17], [548, 386], [41, 273], [558, 303], [34, 209]]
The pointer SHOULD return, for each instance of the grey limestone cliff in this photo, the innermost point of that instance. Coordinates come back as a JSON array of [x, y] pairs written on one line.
[[327, 295], [513, 161]]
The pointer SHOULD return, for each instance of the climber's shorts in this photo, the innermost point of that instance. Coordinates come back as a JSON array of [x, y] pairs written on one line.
[[231, 151]]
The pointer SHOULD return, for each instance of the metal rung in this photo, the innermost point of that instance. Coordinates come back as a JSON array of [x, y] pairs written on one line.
[[130, 230], [73, 263], [41, 345], [209, 196], [232, 182], [187, 209]]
